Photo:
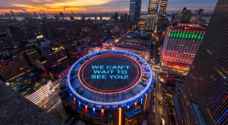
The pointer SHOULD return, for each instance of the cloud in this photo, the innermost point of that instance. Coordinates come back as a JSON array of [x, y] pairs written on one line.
[[54, 6], [80, 3], [58, 3], [51, 6]]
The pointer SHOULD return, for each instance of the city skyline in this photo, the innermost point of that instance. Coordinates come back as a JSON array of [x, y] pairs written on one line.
[[88, 6], [114, 62]]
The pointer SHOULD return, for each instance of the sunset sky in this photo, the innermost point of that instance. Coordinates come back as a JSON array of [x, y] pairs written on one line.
[[88, 6]]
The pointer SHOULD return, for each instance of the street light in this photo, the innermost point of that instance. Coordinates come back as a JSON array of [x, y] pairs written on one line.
[[163, 121], [117, 40]]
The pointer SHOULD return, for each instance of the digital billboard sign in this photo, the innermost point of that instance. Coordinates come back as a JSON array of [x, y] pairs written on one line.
[[109, 73]]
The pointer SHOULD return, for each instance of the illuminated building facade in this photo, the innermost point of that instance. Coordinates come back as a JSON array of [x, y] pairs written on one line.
[[180, 46], [207, 83], [135, 10], [153, 7], [163, 7], [152, 19], [109, 87], [151, 23]]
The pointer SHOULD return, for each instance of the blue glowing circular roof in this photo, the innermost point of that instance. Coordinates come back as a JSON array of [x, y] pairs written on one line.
[[110, 78]]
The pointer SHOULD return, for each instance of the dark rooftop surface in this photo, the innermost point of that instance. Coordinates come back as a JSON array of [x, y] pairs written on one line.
[[16, 110]]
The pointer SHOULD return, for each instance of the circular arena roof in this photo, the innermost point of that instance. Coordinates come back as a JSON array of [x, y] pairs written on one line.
[[110, 78]]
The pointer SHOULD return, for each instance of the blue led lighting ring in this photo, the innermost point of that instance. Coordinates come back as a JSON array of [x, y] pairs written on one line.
[[150, 81]]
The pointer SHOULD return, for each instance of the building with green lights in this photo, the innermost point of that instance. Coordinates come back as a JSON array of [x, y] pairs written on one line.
[[180, 46]]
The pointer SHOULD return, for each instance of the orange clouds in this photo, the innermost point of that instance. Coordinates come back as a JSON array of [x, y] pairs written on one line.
[[50, 9], [52, 6], [80, 3]]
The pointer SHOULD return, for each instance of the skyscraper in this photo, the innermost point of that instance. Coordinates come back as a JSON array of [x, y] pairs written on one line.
[[153, 7], [180, 46], [152, 19], [135, 10], [207, 83], [163, 5]]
